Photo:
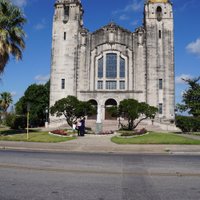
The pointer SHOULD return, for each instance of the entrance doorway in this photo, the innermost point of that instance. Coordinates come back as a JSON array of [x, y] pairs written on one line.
[[94, 104], [109, 103]]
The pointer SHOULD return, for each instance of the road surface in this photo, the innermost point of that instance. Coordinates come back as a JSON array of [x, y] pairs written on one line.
[[76, 176]]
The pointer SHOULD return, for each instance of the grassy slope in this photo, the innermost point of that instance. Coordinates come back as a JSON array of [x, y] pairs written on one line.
[[34, 137], [156, 138]]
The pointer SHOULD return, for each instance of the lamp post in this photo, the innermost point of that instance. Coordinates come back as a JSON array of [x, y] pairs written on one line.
[[119, 122], [47, 121], [28, 115]]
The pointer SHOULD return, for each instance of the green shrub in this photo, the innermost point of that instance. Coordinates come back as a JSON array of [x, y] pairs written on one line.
[[188, 124], [9, 119], [20, 122], [15, 121]]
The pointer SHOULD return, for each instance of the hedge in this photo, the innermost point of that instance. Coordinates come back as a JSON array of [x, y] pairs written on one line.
[[188, 124]]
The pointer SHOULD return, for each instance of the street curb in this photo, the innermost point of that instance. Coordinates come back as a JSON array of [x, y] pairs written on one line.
[[114, 150]]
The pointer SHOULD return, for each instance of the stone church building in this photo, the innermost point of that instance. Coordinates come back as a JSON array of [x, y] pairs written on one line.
[[113, 63]]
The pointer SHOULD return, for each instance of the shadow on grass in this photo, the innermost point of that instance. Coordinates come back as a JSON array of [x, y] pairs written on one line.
[[13, 131]]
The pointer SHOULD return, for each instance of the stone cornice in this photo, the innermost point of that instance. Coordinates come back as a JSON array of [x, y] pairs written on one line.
[[110, 91]]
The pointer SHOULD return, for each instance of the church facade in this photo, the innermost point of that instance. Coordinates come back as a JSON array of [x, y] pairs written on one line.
[[112, 63]]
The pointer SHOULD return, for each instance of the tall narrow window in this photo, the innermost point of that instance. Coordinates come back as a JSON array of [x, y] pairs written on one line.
[[122, 68], [160, 108], [63, 83], [160, 84], [122, 85], [64, 35], [160, 34], [111, 85], [111, 65], [159, 13], [66, 11], [66, 14], [100, 68], [100, 85]]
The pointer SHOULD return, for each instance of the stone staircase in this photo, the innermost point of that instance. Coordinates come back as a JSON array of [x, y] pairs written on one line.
[[113, 125], [107, 125]]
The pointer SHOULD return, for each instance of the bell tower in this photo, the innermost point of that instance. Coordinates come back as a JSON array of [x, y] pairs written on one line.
[[67, 22], [159, 25]]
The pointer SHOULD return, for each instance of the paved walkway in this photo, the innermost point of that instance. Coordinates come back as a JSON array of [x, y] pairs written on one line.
[[196, 137], [100, 144], [93, 140]]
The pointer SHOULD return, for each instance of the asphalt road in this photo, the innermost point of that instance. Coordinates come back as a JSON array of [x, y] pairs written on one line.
[[75, 176]]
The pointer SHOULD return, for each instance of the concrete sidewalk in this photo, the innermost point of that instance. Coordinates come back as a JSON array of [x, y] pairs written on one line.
[[100, 144]]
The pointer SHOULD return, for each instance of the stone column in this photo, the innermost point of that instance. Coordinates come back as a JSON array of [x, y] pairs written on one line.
[[99, 119]]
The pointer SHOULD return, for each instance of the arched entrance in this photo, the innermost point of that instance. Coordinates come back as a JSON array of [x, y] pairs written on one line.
[[109, 103], [94, 104]]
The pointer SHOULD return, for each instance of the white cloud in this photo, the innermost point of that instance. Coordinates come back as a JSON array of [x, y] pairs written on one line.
[[179, 79], [13, 94], [20, 3], [40, 25], [187, 4], [194, 47], [134, 23], [123, 17], [42, 79], [136, 5]]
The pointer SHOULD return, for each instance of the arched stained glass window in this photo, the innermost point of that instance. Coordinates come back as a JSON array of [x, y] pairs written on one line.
[[111, 65], [111, 71], [100, 68], [122, 67]]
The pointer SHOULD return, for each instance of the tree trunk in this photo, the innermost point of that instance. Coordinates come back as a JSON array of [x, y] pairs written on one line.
[[139, 122], [130, 124]]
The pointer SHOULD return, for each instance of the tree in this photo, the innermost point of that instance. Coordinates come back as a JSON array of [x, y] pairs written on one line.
[[5, 101], [38, 98], [191, 98], [133, 110], [11, 32], [71, 108]]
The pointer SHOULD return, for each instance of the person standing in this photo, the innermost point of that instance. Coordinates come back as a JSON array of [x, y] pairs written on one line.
[[79, 125], [82, 131], [74, 125]]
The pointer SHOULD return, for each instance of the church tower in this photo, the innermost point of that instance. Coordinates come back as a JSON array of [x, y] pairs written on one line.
[[159, 26], [67, 22]]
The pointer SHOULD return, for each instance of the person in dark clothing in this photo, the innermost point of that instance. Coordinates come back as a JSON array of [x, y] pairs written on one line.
[[82, 128]]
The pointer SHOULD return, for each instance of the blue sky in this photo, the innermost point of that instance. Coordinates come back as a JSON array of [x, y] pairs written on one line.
[[35, 66]]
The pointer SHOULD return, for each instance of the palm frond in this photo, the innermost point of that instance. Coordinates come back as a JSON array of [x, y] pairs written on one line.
[[12, 34]]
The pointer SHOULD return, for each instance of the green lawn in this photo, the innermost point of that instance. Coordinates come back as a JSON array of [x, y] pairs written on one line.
[[156, 138], [11, 135]]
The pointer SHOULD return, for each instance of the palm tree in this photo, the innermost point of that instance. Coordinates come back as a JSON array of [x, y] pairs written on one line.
[[5, 101], [11, 32]]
